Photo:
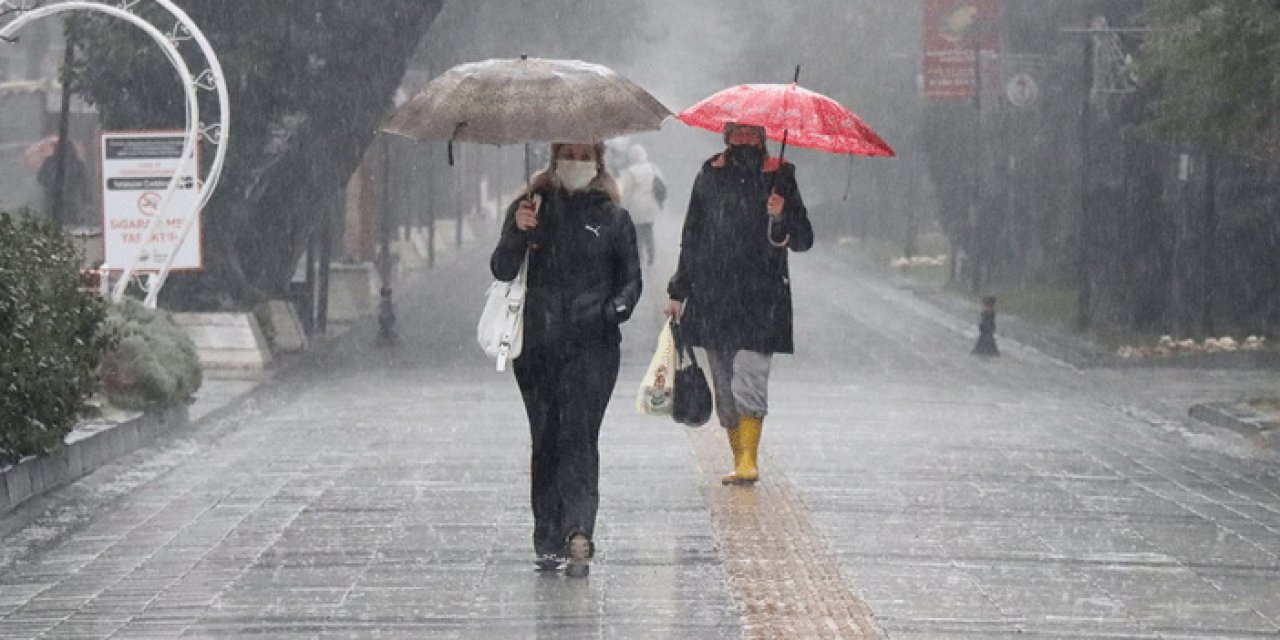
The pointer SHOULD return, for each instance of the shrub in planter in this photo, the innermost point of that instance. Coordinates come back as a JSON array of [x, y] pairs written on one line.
[[154, 364], [51, 337]]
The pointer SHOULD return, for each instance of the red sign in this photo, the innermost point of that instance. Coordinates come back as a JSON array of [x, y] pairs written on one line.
[[955, 33]]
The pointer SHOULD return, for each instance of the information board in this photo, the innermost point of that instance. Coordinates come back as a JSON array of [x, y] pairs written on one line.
[[136, 169]]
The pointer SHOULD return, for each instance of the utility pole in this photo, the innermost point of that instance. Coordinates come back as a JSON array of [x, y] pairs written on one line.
[[386, 227], [1210, 268], [330, 210], [1084, 281], [976, 227]]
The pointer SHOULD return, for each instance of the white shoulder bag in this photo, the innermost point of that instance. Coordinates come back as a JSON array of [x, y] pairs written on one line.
[[500, 331]]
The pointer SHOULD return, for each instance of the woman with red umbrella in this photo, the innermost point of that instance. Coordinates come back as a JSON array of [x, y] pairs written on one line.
[[731, 292]]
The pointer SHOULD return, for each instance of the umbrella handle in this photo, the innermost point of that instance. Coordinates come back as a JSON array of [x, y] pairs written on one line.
[[785, 241], [528, 180]]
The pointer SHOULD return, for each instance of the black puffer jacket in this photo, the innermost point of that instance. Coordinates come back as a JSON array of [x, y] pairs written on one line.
[[584, 274], [735, 283]]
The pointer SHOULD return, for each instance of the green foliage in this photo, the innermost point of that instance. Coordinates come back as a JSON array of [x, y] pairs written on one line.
[[52, 337], [1218, 66], [308, 82], [155, 364]]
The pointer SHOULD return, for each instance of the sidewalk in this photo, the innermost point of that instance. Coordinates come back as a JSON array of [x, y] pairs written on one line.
[[910, 491]]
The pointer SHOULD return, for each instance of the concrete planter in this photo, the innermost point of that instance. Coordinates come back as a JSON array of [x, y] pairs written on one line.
[[1238, 417], [231, 345], [87, 448]]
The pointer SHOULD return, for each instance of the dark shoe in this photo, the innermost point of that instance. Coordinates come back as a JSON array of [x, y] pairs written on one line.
[[548, 562], [579, 556]]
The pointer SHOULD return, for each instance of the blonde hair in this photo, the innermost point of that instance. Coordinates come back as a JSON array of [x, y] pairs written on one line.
[[547, 178]]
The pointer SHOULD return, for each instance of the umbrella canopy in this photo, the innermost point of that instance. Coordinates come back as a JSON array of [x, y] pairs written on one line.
[[789, 113], [505, 101], [41, 150]]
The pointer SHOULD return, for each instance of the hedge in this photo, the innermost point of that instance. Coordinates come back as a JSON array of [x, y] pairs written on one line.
[[154, 364], [52, 337]]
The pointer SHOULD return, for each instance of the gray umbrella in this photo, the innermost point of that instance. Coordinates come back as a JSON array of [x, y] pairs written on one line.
[[505, 101]]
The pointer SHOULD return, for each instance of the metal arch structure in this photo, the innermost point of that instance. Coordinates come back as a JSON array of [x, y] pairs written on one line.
[[210, 79]]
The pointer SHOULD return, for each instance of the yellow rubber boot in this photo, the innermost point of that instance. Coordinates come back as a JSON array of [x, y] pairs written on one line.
[[735, 444], [749, 429]]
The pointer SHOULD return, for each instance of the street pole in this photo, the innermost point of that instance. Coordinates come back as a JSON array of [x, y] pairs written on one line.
[[326, 240], [386, 226], [975, 211], [1084, 294], [1210, 265]]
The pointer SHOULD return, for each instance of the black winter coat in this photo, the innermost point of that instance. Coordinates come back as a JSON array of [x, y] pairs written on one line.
[[735, 283], [584, 274]]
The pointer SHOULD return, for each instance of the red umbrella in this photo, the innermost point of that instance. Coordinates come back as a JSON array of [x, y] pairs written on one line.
[[791, 114], [39, 151]]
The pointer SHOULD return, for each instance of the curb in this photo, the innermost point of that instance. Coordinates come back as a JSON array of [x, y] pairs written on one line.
[[1238, 418], [35, 475]]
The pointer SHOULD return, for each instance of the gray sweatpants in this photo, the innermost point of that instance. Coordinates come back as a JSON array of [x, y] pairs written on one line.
[[740, 380]]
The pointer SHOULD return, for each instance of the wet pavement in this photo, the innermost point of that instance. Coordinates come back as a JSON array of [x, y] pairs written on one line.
[[910, 491]]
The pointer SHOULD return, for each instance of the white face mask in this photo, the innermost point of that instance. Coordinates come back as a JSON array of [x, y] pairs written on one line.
[[575, 175]]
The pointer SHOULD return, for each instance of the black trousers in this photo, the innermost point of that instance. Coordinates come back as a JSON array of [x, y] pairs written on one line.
[[565, 395]]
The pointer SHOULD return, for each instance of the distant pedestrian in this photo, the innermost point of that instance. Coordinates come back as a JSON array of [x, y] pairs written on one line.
[[732, 290], [643, 196], [615, 154], [986, 345], [74, 198], [583, 281]]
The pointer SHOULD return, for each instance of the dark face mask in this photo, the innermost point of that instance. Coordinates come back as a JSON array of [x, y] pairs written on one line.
[[746, 156]]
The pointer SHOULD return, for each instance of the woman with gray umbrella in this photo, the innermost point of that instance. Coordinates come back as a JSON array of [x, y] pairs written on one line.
[[583, 281]]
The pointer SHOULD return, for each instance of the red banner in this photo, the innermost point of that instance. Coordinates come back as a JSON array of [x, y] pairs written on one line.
[[955, 33]]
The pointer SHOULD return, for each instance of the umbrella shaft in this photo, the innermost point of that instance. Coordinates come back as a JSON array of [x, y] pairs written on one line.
[[528, 180]]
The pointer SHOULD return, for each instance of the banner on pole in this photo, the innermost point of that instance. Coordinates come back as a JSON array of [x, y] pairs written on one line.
[[136, 169], [956, 32]]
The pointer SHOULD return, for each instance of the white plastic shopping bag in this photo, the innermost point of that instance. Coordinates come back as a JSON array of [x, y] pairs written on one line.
[[655, 393]]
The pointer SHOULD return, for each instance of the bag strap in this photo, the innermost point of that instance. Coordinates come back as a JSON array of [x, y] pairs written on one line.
[[520, 285], [683, 349]]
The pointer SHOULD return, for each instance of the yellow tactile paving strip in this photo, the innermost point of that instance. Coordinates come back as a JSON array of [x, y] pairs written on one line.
[[779, 566]]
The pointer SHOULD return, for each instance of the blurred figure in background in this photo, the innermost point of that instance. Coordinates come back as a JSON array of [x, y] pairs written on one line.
[[615, 155], [643, 195]]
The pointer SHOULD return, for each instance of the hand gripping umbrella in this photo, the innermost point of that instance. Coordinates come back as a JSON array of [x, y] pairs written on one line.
[[788, 113], [505, 101]]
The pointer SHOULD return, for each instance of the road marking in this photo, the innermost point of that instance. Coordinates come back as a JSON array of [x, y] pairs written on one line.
[[780, 568]]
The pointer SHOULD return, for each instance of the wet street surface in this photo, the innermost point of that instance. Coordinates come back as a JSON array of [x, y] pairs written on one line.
[[909, 490]]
